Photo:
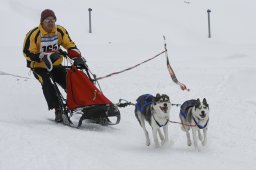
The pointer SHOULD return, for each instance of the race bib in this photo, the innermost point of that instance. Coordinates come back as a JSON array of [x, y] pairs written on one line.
[[49, 43]]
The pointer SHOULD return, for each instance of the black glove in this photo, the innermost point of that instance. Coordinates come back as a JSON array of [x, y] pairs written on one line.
[[80, 61], [54, 57]]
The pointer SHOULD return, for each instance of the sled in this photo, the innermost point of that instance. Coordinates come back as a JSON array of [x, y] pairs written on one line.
[[84, 100]]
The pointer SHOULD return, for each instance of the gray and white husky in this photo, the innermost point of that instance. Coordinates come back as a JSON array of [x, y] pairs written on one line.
[[194, 115], [154, 110]]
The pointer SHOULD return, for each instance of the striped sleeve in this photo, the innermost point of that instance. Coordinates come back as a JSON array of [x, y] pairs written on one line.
[[66, 42], [30, 49]]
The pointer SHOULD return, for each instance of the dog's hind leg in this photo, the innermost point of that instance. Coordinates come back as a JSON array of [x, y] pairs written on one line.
[[188, 138], [186, 129], [142, 123], [182, 128]]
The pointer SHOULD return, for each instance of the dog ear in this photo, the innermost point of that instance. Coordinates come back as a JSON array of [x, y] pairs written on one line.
[[154, 101], [205, 102], [157, 95], [197, 104], [167, 97], [157, 98]]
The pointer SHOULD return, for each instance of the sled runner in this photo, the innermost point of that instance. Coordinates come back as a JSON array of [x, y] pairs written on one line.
[[85, 100]]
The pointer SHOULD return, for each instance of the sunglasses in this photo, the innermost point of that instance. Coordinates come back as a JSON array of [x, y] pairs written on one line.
[[47, 20]]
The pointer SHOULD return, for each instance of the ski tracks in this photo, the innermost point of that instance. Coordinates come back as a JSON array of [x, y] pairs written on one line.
[[234, 113]]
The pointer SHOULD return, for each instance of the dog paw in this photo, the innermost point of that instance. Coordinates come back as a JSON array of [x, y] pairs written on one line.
[[164, 142], [197, 149], [147, 143], [162, 138]]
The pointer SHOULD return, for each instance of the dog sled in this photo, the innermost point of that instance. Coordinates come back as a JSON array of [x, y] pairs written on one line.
[[85, 101]]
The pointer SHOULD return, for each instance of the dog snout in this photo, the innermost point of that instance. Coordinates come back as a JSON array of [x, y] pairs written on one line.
[[165, 104], [202, 115]]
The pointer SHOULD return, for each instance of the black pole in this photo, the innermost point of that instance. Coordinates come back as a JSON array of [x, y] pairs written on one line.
[[209, 24], [90, 21]]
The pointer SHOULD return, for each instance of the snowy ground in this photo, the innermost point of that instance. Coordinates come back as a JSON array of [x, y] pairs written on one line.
[[221, 69]]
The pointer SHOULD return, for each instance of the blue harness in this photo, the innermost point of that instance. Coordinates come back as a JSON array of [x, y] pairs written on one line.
[[184, 112], [185, 107], [198, 125], [144, 101]]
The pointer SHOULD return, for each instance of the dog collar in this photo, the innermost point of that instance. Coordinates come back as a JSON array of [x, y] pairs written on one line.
[[198, 125], [159, 123]]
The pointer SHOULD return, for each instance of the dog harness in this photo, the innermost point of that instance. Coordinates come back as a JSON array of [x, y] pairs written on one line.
[[185, 107], [184, 112], [144, 101], [198, 125], [159, 123]]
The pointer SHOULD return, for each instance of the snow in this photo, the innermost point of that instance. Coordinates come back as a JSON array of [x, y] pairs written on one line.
[[125, 33]]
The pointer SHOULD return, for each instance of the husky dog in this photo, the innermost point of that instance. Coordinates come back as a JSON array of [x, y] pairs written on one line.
[[155, 110], [195, 115]]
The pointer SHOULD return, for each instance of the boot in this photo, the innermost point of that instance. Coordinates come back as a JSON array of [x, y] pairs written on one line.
[[58, 115]]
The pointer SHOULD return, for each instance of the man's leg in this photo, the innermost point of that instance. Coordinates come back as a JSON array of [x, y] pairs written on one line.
[[48, 91], [59, 74]]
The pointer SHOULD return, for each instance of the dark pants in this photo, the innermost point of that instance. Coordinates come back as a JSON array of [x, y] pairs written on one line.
[[58, 75]]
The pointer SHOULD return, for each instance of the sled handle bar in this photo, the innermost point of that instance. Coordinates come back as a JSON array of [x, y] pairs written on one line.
[[79, 67]]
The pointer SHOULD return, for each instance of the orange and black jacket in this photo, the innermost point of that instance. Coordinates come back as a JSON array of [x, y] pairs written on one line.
[[32, 44]]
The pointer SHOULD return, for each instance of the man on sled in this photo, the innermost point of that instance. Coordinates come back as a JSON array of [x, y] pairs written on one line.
[[42, 51]]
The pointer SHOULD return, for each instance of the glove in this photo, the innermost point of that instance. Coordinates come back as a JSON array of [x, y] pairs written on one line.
[[80, 61], [45, 57], [48, 59], [74, 53]]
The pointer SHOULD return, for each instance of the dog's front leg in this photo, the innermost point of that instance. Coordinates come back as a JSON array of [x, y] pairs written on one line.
[[205, 136], [154, 130], [160, 134], [188, 137], [195, 138], [166, 138], [147, 136], [200, 135]]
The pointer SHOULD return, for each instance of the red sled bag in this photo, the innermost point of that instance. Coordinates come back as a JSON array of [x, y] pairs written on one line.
[[81, 91]]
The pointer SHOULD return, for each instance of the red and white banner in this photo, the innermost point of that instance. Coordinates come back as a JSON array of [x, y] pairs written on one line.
[[173, 76]]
